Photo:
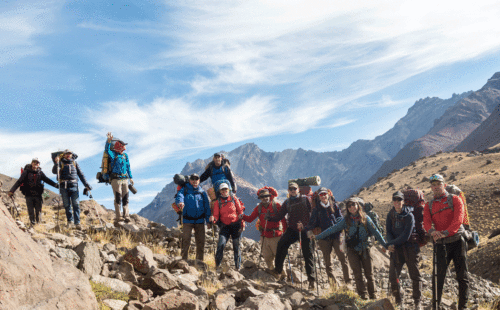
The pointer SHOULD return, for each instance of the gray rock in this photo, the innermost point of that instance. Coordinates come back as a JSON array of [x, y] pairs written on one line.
[[109, 247], [174, 300], [127, 272], [296, 298], [141, 257], [114, 284], [138, 294], [263, 302], [90, 258], [159, 281], [115, 304], [223, 301], [67, 255]]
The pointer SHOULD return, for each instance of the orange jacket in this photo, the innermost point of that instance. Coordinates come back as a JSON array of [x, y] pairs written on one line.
[[447, 221], [228, 211]]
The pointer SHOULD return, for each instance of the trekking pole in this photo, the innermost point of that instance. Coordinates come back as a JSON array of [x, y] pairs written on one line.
[[300, 245], [16, 212], [95, 208], [434, 277], [213, 237], [290, 267], [315, 269], [262, 245]]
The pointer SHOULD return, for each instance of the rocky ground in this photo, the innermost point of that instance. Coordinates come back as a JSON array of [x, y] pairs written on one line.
[[140, 259]]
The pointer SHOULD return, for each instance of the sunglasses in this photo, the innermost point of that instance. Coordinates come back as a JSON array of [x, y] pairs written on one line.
[[225, 189], [397, 199], [350, 204], [195, 178], [292, 188], [323, 194]]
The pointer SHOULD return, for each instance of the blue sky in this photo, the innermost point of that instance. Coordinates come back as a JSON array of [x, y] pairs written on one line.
[[179, 81]]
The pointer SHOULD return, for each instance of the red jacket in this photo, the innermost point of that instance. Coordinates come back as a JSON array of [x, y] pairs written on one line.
[[447, 221], [271, 228], [229, 211]]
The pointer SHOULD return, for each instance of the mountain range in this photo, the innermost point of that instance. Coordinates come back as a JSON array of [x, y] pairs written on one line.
[[430, 125]]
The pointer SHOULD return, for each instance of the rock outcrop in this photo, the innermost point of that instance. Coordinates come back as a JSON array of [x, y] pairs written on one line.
[[30, 278]]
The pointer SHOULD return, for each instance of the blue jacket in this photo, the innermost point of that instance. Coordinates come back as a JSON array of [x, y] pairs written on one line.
[[218, 173], [119, 164], [363, 233], [323, 218], [196, 204], [399, 227]]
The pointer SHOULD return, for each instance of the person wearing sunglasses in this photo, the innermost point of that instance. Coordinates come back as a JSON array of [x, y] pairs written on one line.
[[326, 213], [358, 227], [298, 208], [193, 201], [400, 225], [443, 218]]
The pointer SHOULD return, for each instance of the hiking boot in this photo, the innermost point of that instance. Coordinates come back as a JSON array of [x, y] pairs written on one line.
[[78, 226], [70, 225], [418, 306], [276, 274], [127, 220]]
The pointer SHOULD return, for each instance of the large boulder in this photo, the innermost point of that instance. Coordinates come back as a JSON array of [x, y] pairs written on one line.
[[159, 281], [30, 278], [141, 257], [174, 300]]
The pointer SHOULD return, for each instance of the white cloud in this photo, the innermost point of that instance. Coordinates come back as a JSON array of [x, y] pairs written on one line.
[[20, 24], [165, 127], [18, 148]]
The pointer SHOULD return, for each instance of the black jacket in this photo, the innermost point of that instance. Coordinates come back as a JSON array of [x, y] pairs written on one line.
[[69, 171], [33, 182]]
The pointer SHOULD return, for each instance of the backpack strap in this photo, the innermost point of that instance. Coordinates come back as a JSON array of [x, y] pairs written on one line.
[[449, 201]]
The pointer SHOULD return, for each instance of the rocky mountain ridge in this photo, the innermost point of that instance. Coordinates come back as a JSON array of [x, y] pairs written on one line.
[[449, 130]]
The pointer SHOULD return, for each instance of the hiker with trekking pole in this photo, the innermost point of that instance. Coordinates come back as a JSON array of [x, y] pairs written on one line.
[[443, 219], [195, 207], [68, 171], [32, 187], [326, 213], [227, 211], [404, 249], [358, 227], [270, 232], [298, 207]]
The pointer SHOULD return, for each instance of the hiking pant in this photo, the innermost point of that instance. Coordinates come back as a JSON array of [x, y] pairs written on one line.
[[34, 205], [408, 255], [326, 247], [226, 231], [360, 261], [120, 190], [70, 199], [269, 246], [199, 238], [456, 251], [287, 239]]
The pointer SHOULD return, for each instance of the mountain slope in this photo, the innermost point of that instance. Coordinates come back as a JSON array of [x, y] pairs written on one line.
[[450, 129], [485, 136]]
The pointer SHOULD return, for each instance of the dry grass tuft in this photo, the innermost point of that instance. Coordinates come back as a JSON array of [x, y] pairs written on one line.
[[210, 286]]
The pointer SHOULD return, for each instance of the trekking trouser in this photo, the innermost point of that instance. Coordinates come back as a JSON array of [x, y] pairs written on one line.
[[120, 190], [409, 255], [34, 205], [362, 261], [71, 200], [199, 237], [445, 253], [269, 247], [326, 247], [226, 231], [287, 239]]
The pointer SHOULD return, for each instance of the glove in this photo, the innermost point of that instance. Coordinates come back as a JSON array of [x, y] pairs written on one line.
[[10, 194], [57, 186], [310, 234], [89, 187]]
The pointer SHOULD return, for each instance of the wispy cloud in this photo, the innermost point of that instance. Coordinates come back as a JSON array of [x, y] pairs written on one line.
[[20, 24], [18, 148]]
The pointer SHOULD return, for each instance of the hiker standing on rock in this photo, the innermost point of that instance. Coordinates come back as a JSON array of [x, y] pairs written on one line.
[[120, 176], [358, 227], [270, 232], [400, 225], [68, 171], [193, 201], [227, 209], [326, 213], [443, 221], [298, 207], [32, 178], [218, 169]]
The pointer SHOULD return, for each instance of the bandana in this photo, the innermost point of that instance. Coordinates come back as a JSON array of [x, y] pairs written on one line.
[[356, 218], [325, 205], [119, 147]]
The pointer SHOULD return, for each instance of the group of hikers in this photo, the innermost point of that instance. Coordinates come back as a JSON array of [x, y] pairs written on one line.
[[302, 217], [67, 170], [310, 217]]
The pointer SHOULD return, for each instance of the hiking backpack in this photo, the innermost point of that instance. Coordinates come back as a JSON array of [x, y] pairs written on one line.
[[471, 237], [107, 165], [415, 200]]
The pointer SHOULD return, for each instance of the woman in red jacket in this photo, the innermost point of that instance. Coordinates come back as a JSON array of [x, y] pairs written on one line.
[[226, 212]]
